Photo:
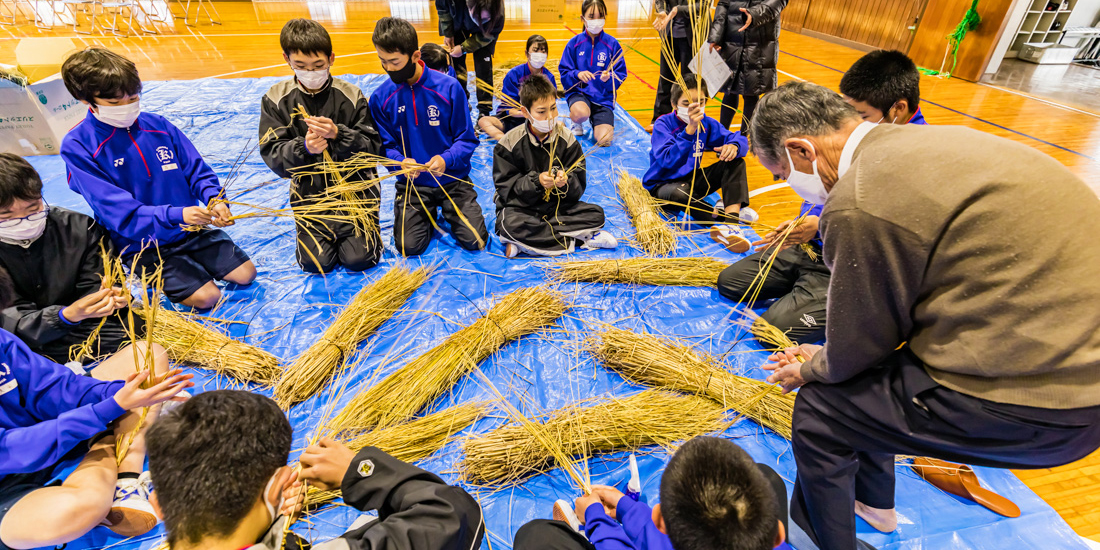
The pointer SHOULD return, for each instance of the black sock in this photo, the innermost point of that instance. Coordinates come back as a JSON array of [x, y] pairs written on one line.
[[128, 475]]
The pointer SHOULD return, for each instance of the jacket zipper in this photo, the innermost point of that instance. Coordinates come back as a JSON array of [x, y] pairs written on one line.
[[416, 118], [147, 172]]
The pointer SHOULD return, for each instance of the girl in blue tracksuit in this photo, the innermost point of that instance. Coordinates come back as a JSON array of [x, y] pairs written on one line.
[[144, 179], [507, 117], [676, 176], [424, 120], [592, 68]]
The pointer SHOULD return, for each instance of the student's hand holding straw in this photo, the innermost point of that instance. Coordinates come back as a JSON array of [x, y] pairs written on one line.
[[98, 304], [586, 76], [560, 178], [605, 76], [609, 497], [695, 118], [546, 181], [133, 396], [197, 215], [294, 496], [322, 126], [456, 51], [436, 166], [583, 502], [325, 463], [786, 370], [727, 152], [802, 233], [414, 168], [315, 143], [222, 215]]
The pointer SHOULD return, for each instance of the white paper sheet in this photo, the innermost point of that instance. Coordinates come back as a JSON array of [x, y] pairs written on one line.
[[714, 69]]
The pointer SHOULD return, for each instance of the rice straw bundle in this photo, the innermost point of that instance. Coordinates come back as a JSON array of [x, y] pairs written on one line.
[[192, 343], [370, 307], [410, 441], [653, 417], [667, 364], [654, 235], [404, 393], [113, 275], [640, 271], [151, 284]]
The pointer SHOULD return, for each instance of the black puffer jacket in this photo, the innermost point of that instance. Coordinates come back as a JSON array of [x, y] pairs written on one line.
[[751, 55]]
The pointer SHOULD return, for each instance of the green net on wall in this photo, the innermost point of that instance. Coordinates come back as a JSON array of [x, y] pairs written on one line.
[[969, 22]]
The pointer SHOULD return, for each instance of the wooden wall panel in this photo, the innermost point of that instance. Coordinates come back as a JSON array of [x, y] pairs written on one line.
[[940, 19], [875, 23], [794, 15]]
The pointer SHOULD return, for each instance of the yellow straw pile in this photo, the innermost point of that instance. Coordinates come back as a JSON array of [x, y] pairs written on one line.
[[654, 235], [640, 271]]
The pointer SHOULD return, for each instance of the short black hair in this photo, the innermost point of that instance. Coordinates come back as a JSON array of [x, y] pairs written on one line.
[[882, 78], [211, 458], [305, 36], [18, 180], [713, 497], [600, 6], [393, 34], [539, 41], [7, 289], [534, 88], [435, 56], [692, 83], [98, 72]]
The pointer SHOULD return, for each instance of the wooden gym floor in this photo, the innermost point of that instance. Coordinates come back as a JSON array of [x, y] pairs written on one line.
[[246, 44]]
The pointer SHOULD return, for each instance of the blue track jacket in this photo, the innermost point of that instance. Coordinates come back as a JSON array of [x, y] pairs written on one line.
[[420, 121], [45, 409], [139, 179], [671, 155], [584, 54]]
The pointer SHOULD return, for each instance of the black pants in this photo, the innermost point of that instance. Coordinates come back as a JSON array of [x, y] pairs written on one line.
[[682, 48], [415, 207], [548, 232], [323, 247], [797, 283], [729, 108], [483, 69], [846, 436], [544, 534], [685, 194], [111, 337]]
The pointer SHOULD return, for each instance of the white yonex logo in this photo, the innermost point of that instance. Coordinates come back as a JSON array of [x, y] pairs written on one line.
[[401, 109], [118, 162]]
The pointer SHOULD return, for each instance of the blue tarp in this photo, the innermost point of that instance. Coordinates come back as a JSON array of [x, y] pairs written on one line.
[[284, 311]]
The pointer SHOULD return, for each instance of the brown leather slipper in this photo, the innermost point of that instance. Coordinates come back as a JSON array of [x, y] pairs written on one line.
[[961, 481], [732, 240]]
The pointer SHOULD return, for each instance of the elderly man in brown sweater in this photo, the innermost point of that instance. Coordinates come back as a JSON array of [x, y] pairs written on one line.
[[964, 306]]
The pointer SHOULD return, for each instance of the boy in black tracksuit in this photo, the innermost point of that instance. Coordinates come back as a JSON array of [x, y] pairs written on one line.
[[56, 270], [339, 122], [539, 210], [241, 436]]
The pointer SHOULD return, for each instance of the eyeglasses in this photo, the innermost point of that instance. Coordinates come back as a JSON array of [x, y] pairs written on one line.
[[41, 214]]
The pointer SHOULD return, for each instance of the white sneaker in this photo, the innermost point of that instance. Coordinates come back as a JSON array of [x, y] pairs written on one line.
[[748, 215], [578, 130], [602, 239], [730, 237], [131, 514], [564, 513]]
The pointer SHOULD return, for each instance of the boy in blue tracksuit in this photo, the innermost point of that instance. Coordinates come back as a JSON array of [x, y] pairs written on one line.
[[676, 176], [592, 68], [508, 117], [144, 179], [49, 414], [712, 496], [424, 120]]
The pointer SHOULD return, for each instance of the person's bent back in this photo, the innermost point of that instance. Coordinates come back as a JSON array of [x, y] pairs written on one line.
[[219, 467]]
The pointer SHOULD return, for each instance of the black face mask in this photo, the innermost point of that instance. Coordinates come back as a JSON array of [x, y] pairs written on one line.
[[403, 74]]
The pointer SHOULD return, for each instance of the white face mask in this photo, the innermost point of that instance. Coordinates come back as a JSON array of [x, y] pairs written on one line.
[[272, 510], [892, 121], [119, 116], [808, 186], [538, 59], [542, 126], [682, 114], [312, 80], [25, 230], [594, 26]]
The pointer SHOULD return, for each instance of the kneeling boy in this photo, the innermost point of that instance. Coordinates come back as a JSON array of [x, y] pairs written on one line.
[[712, 496], [54, 259], [219, 463], [339, 123], [676, 175], [424, 119], [539, 210], [143, 178]]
